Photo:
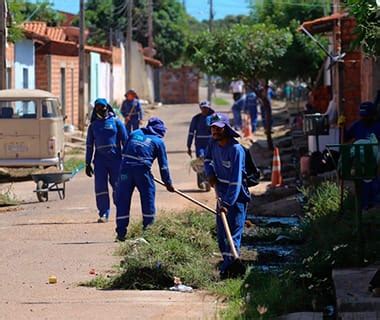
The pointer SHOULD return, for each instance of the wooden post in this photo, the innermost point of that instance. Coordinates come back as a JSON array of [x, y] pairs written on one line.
[[3, 45], [82, 69]]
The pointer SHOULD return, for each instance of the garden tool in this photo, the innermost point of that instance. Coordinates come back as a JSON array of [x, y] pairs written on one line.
[[236, 268]]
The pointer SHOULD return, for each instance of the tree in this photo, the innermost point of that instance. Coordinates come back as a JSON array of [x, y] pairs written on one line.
[[303, 57], [248, 52], [367, 15], [170, 24]]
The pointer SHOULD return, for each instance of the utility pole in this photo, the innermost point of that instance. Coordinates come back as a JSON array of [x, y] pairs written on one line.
[[184, 4], [82, 68], [128, 60], [150, 25], [210, 28], [3, 44]]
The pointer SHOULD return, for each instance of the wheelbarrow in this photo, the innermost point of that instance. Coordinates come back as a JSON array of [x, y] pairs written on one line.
[[53, 182]]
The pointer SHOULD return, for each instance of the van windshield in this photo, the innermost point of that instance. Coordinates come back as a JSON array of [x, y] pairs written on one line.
[[50, 109], [18, 109]]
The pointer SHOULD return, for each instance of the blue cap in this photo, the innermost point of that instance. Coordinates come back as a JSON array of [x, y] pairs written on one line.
[[157, 126], [221, 120], [101, 101], [367, 109]]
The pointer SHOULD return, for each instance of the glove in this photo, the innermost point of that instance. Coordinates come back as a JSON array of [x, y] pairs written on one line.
[[89, 170], [170, 188], [189, 153], [341, 121], [212, 181]]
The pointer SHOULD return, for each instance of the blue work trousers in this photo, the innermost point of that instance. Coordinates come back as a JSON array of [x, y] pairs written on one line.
[[105, 170], [370, 193], [237, 118], [131, 177], [132, 124], [236, 219], [253, 115]]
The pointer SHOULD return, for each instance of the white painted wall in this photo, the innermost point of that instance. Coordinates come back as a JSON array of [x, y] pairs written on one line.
[[24, 64]]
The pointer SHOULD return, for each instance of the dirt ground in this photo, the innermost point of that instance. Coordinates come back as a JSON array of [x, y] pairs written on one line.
[[61, 238]]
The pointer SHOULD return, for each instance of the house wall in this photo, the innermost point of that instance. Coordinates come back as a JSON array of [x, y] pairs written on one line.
[[10, 63], [140, 79], [24, 64], [95, 75], [52, 70], [179, 85], [118, 59], [105, 81]]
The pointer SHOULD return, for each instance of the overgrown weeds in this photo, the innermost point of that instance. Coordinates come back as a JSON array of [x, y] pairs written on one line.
[[180, 245], [73, 163], [8, 197]]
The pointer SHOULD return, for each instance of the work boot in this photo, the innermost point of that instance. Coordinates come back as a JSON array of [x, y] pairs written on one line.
[[120, 238], [103, 219]]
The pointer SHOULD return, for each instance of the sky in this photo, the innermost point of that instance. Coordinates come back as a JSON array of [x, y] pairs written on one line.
[[197, 8]]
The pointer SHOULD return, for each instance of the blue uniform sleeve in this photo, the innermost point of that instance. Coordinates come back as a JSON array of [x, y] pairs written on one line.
[[236, 178], [163, 163], [124, 108], [89, 144], [122, 134], [209, 165], [190, 136]]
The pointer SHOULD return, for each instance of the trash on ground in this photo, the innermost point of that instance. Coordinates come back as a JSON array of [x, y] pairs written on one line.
[[52, 279], [178, 286]]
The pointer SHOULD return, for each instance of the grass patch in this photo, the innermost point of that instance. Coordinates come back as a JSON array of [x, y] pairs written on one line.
[[73, 163], [7, 197], [181, 245], [220, 101], [330, 241], [75, 151]]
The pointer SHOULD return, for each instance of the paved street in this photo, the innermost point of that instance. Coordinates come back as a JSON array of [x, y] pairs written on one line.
[[61, 238]]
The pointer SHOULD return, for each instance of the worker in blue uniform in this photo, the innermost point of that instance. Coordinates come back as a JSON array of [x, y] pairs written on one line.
[[201, 133], [143, 147], [132, 110], [362, 129], [225, 168], [237, 109], [251, 108], [107, 133]]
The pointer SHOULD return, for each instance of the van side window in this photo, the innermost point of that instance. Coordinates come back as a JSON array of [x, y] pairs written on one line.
[[50, 109], [19, 109]]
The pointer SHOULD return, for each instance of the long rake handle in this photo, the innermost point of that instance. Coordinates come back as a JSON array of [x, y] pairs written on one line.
[[189, 198], [222, 215]]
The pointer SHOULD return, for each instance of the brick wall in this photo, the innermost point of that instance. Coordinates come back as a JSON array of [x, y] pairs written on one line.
[[10, 61], [48, 77], [179, 85]]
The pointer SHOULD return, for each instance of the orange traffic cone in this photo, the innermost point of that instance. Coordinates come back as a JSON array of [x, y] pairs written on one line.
[[247, 126], [276, 169]]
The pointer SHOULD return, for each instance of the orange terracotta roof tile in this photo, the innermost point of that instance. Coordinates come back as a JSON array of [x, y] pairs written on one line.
[[55, 33]]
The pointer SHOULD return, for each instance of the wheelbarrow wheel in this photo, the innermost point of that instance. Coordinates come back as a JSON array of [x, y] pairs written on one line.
[[42, 196]]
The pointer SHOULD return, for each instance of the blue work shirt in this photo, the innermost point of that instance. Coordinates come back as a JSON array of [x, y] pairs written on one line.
[[108, 135], [250, 102], [142, 148], [239, 105], [361, 130], [227, 164], [200, 131], [132, 109]]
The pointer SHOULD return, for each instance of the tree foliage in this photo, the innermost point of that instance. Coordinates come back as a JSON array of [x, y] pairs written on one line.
[[303, 57], [170, 24], [367, 15], [244, 51]]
